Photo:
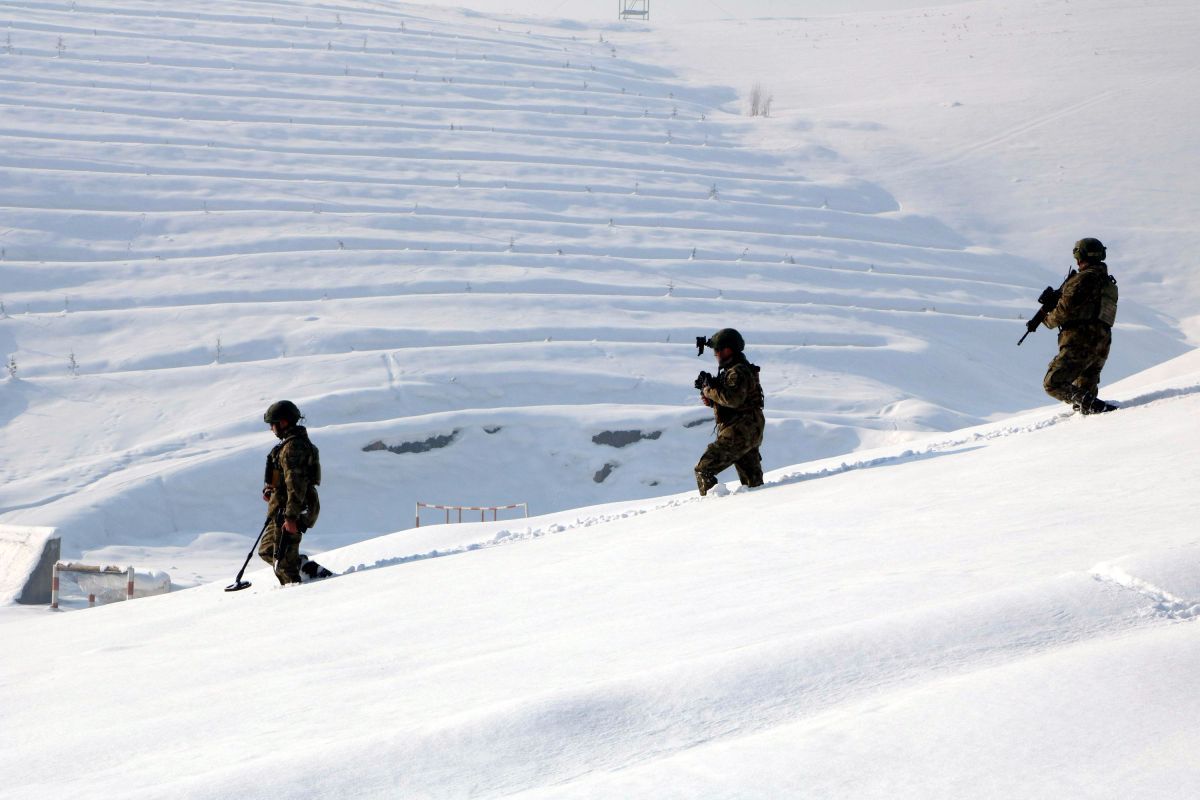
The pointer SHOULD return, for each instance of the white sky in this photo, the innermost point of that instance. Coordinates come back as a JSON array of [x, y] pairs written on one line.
[[684, 10]]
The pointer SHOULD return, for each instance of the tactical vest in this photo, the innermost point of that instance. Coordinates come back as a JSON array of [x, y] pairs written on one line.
[[756, 400], [273, 475], [274, 470]]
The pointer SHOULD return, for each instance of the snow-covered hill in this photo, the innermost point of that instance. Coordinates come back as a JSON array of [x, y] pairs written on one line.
[[1002, 612], [1024, 124], [475, 251], [430, 228]]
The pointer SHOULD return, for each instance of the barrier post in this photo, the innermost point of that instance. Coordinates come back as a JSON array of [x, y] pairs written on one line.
[[460, 509], [54, 588], [110, 574]]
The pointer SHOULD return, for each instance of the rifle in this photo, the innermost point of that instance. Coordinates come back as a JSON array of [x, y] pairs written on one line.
[[1049, 299]]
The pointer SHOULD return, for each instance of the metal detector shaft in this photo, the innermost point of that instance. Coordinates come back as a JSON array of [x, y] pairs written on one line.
[[239, 584]]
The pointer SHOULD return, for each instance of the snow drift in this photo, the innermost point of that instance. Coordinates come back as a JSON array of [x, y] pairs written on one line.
[[1003, 611]]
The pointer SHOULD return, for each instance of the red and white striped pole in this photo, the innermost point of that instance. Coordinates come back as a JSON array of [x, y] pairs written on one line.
[[54, 588], [129, 585]]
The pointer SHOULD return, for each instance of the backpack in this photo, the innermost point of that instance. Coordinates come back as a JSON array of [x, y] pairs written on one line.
[[1107, 312]]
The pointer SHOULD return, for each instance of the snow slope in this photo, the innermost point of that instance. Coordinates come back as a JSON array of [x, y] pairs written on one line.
[[428, 227], [1024, 125], [931, 598], [1005, 611]]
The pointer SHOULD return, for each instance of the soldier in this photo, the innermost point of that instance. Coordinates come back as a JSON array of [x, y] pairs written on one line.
[[736, 398], [290, 489], [1084, 316]]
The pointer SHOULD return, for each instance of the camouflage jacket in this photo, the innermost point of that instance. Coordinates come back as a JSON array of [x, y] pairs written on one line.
[[1088, 295], [293, 473], [736, 393]]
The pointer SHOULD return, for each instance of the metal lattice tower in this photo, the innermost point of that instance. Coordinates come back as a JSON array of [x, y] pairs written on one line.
[[633, 9]]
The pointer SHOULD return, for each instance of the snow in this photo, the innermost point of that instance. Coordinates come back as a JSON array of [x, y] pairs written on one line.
[[936, 619], [413, 223], [473, 249], [1023, 125]]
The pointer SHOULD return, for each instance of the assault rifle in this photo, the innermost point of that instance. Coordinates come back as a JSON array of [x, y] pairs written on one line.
[[1049, 299]]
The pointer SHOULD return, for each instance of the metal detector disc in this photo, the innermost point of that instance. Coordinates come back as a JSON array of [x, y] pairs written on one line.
[[237, 587]]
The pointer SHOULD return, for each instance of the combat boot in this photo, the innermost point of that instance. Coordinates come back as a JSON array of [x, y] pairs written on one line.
[[1098, 406], [1087, 403], [705, 481]]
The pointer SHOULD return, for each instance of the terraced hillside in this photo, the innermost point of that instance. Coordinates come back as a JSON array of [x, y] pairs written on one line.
[[465, 247]]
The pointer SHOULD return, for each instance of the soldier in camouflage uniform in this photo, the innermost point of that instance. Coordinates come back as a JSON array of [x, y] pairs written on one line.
[[736, 398], [1084, 316], [290, 489]]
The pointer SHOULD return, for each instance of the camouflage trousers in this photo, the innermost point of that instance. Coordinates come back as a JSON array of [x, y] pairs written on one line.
[[736, 446], [1075, 371], [287, 567]]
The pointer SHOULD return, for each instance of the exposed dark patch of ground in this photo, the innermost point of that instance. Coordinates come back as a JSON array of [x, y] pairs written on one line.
[[432, 443], [604, 472], [623, 438]]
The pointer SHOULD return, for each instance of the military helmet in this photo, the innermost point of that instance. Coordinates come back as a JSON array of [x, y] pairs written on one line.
[[284, 409], [1089, 251], [727, 337]]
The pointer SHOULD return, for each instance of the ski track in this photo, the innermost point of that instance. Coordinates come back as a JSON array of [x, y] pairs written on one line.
[[1013, 132]]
